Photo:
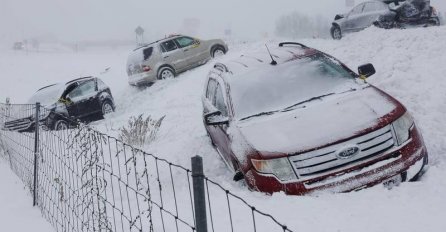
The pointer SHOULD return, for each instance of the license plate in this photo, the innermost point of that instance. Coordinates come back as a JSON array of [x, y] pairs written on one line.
[[393, 181]]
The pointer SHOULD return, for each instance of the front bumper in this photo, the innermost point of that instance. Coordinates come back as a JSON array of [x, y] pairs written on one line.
[[407, 160]]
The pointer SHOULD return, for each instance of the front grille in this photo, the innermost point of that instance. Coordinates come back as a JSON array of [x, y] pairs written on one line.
[[18, 125], [325, 161]]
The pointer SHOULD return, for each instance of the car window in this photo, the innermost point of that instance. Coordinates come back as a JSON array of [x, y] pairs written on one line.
[[101, 85], [370, 7], [185, 41], [357, 10], [298, 81], [147, 53], [219, 100], [168, 46], [381, 6], [85, 89], [212, 84]]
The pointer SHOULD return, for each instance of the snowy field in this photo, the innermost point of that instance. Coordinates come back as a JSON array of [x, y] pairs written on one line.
[[16, 211], [411, 66]]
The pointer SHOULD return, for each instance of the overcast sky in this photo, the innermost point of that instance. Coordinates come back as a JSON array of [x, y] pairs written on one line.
[[74, 20]]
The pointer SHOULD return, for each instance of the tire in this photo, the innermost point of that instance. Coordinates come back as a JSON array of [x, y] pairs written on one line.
[[61, 124], [336, 32], [107, 108], [218, 51], [165, 73]]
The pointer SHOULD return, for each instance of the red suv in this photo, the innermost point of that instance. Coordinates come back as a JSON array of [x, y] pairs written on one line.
[[299, 121]]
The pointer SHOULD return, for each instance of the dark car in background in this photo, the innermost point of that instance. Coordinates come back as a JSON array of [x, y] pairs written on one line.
[[385, 14], [307, 123], [85, 99]]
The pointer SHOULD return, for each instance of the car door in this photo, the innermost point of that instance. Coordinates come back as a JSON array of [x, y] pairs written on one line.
[[353, 18], [215, 99], [173, 55], [193, 50], [83, 100], [221, 131]]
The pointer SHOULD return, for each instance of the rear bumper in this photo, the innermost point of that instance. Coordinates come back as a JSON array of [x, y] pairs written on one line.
[[142, 78], [407, 160]]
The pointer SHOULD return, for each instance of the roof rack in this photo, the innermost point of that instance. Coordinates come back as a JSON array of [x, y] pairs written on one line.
[[292, 43], [221, 67]]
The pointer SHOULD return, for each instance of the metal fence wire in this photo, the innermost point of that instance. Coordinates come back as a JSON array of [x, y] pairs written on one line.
[[85, 180]]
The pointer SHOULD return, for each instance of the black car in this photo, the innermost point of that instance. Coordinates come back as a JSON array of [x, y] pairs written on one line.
[[385, 14], [63, 105]]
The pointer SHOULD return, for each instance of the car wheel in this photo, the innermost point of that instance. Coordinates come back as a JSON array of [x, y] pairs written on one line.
[[165, 73], [218, 52], [61, 125], [107, 108], [336, 32]]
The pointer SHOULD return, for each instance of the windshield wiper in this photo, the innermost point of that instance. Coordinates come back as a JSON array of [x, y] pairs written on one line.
[[315, 98], [308, 100], [259, 114]]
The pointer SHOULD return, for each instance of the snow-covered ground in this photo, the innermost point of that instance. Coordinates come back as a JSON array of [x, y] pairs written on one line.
[[410, 66], [16, 210]]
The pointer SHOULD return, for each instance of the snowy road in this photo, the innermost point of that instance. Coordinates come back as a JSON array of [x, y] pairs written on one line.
[[410, 66]]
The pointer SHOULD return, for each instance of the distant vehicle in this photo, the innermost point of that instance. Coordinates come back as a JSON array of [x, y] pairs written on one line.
[[18, 46], [307, 123], [86, 99], [385, 14], [168, 57]]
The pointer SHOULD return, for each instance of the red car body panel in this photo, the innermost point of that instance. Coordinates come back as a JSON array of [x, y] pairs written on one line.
[[393, 162]]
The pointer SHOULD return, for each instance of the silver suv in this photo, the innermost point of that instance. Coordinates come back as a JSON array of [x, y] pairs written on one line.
[[168, 57]]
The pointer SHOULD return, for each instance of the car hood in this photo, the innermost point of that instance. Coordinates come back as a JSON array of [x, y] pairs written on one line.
[[320, 123]]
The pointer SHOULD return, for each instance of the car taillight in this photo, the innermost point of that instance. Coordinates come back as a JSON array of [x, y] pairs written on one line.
[[146, 68]]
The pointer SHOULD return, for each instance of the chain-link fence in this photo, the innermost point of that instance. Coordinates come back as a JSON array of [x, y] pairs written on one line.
[[84, 180]]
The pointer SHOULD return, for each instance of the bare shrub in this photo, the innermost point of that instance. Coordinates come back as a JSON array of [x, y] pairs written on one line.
[[140, 130]]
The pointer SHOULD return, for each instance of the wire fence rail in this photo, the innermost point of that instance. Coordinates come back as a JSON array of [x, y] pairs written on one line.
[[85, 180]]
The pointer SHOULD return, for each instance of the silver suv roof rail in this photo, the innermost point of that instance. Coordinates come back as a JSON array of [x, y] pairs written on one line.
[[292, 43]]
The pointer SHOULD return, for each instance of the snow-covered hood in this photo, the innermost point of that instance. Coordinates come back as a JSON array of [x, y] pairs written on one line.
[[319, 123]]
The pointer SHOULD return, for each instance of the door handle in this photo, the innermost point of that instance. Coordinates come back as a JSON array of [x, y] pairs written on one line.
[[166, 57], [186, 50]]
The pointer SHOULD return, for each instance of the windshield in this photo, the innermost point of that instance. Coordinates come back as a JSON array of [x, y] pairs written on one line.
[[48, 95], [262, 91]]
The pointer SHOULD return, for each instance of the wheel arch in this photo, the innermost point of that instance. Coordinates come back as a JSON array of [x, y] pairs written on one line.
[[216, 46], [165, 66]]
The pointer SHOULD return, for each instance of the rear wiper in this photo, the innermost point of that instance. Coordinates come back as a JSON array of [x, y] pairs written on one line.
[[259, 114], [308, 100]]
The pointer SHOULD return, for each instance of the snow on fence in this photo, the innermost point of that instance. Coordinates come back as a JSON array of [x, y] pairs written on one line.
[[84, 180]]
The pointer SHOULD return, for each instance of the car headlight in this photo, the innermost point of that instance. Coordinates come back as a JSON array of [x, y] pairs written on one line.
[[281, 168], [402, 128]]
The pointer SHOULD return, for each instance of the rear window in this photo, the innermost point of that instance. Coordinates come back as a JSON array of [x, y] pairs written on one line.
[[147, 53], [135, 60]]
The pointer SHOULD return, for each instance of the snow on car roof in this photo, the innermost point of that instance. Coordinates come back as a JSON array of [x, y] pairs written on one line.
[[261, 58]]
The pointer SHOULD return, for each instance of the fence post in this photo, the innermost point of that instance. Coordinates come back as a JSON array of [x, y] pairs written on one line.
[[36, 151], [199, 194]]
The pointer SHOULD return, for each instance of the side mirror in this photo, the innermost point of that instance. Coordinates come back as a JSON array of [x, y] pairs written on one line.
[[215, 118], [339, 16], [366, 70]]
